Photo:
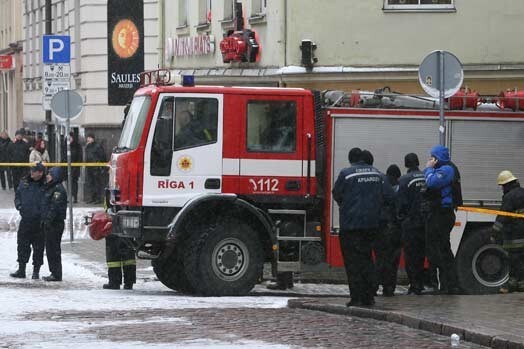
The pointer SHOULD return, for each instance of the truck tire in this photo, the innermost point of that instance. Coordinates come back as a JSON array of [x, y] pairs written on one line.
[[482, 265], [170, 271], [224, 259]]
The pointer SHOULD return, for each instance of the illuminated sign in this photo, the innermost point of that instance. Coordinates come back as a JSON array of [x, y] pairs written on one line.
[[189, 46], [239, 46], [7, 62]]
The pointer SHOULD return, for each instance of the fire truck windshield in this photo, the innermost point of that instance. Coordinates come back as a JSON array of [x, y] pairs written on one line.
[[134, 123]]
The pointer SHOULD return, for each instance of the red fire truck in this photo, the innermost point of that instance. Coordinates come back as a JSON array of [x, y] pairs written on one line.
[[212, 182]]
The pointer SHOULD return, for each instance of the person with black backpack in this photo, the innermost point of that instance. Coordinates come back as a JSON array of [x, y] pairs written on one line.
[[413, 219], [440, 178]]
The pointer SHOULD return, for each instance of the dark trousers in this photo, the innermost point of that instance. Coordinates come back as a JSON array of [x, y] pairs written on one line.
[[18, 173], [94, 184], [414, 240], [356, 249], [387, 251], [29, 235], [5, 173], [438, 228], [74, 188], [120, 258], [53, 239]]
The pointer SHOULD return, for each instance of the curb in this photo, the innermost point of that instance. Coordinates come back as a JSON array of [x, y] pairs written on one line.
[[444, 329]]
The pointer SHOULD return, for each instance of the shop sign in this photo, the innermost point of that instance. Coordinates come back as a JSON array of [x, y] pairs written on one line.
[[189, 46], [7, 62]]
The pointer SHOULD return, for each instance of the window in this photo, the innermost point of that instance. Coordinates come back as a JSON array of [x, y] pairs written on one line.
[[182, 13], [134, 123], [162, 147], [271, 126], [258, 7], [204, 12], [419, 5], [196, 122], [229, 9]]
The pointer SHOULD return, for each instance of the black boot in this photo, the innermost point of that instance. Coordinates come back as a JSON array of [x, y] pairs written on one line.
[[128, 286], [111, 286], [36, 272], [52, 277], [20, 273]]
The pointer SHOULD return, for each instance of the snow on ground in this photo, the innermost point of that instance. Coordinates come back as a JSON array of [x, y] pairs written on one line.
[[80, 291]]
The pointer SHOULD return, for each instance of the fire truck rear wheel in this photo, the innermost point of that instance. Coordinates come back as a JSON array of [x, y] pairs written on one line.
[[482, 265], [170, 272], [225, 259]]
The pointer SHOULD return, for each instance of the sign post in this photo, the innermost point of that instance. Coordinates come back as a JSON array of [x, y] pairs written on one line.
[[441, 76], [67, 105]]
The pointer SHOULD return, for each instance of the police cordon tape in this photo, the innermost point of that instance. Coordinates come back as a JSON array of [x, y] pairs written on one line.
[[490, 212], [54, 164]]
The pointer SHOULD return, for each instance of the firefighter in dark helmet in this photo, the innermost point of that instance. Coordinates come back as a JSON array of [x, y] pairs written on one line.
[[512, 230]]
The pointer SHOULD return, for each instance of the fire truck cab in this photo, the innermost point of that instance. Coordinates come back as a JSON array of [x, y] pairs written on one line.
[[212, 182]]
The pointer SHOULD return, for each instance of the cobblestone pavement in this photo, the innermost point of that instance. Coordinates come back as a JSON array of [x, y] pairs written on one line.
[[285, 327]]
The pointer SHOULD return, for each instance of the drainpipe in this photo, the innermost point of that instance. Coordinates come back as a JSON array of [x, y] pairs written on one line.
[[162, 34], [282, 83]]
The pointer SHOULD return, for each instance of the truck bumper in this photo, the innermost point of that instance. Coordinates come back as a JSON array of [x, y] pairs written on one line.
[[128, 224]]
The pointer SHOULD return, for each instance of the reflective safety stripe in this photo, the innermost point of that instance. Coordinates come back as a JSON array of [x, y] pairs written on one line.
[[416, 180], [361, 174], [129, 262], [119, 264], [510, 245]]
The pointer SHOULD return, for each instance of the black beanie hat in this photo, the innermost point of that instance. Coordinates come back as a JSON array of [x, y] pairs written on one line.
[[411, 160]]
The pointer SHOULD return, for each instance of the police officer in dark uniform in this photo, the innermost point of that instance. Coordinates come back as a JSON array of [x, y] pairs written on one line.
[[120, 258], [53, 216], [439, 175], [411, 188], [360, 192], [28, 201], [388, 244], [512, 230]]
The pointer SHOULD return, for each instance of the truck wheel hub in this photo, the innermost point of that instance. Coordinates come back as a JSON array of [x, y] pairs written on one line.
[[230, 259], [490, 267]]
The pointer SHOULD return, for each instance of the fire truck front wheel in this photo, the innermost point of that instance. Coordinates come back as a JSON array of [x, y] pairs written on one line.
[[482, 265], [225, 259]]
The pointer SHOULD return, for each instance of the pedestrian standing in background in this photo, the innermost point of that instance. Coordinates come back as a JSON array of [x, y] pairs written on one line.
[[76, 156], [439, 177], [5, 172], [94, 175], [53, 216], [359, 192], [412, 217], [512, 230], [28, 201], [120, 258], [39, 152], [388, 243], [19, 153]]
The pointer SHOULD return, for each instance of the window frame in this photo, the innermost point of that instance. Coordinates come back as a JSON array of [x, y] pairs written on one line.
[[183, 21], [258, 8], [419, 7], [179, 148], [204, 8]]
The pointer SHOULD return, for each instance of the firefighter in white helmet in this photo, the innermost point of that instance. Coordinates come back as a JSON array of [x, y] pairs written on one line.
[[512, 230]]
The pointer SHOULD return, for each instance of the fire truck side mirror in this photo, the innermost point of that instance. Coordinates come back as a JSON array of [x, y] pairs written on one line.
[[308, 48]]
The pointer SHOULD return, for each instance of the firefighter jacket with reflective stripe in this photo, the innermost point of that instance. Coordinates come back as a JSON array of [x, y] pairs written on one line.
[[360, 192], [411, 188]]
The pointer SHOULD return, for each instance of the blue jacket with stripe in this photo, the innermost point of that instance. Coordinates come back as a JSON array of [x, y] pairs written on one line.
[[360, 192]]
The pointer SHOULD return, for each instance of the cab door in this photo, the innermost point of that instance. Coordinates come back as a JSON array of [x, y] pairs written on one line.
[[183, 155], [271, 154]]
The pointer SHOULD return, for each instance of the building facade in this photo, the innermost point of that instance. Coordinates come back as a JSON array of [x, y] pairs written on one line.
[[85, 21], [359, 44], [11, 66]]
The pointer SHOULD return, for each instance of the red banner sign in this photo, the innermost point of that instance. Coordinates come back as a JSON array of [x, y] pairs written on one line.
[[7, 62]]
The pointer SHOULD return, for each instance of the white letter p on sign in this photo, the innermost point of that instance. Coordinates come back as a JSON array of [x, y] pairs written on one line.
[[55, 48]]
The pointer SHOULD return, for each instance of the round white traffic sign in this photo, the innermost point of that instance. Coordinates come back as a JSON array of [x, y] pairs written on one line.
[[429, 74], [67, 104]]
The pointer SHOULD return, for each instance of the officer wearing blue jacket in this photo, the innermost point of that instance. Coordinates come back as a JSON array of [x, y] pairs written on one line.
[[28, 198], [439, 175], [360, 192], [410, 195], [53, 216]]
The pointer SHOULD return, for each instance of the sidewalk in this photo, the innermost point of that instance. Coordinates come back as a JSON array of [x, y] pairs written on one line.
[[495, 321]]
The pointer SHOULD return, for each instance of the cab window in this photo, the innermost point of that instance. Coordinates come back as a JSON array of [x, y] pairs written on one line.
[[271, 126], [196, 121], [162, 147]]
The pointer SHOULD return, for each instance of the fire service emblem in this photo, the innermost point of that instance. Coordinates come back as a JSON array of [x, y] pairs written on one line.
[[185, 163]]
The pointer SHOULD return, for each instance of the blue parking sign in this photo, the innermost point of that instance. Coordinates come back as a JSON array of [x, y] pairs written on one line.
[[56, 49]]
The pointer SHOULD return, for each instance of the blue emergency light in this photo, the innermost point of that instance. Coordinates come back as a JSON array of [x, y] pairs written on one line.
[[188, 80]]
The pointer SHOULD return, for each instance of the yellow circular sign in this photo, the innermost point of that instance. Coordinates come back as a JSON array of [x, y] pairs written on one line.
[[126, 38], [185, 163]]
